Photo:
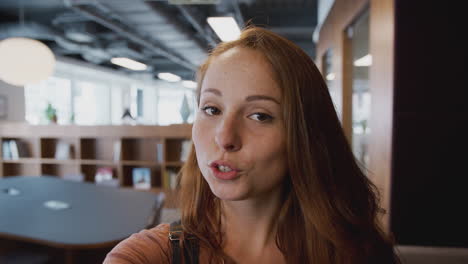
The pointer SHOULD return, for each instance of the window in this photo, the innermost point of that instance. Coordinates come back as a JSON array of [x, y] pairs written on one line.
[[170, 102], [88, 96], [57, 92], [91, 103]]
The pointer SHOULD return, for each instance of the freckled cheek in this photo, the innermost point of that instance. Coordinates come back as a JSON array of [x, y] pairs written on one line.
[[269, 153], [201, 135]]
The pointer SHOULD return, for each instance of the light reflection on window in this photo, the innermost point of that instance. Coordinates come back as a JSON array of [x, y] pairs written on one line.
[[361, 98]]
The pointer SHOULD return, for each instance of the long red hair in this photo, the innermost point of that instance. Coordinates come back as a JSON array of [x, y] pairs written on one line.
[[330, 208]]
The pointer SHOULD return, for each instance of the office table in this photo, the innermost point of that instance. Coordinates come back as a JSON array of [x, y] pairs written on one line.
[[70, 215]]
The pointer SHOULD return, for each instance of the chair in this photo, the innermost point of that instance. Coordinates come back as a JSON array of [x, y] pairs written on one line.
[[155, 217]]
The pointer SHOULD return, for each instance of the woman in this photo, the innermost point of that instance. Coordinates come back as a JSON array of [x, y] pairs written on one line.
[[270, 178]]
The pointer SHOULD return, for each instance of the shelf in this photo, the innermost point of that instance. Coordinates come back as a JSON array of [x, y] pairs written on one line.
[[98, 162], [139, 163], [63, 170], [26, 169], [80, 152], [21, 160], [175, 163], [63, 148], [142, 149], [177, 149], [99, 148], [58, 161]]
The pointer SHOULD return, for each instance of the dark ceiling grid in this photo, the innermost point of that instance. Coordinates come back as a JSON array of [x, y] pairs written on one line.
[[169, 38]]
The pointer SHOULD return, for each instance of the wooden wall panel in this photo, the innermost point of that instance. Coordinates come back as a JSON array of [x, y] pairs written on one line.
[[382, 38], [333, 35]]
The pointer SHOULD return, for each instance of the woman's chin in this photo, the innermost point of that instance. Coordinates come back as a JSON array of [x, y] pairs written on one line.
[[229, 194]]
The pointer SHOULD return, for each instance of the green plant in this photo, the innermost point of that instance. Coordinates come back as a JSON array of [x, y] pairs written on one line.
[[51, 113]]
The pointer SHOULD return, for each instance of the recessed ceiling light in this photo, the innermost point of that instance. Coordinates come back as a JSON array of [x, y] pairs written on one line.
[[225, 27], [189, 84], [129, 64], [167, 76]]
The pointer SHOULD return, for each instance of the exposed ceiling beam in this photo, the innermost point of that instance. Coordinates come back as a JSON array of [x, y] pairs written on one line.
[[197, 23], [81, 6]]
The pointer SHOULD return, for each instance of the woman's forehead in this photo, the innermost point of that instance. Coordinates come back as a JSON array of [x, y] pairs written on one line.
[[241, 67]]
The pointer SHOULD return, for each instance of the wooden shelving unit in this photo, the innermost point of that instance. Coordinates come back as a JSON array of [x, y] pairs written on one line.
[[120, 148]]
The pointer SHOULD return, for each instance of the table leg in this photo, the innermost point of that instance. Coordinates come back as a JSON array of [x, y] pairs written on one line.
[[68, 256]]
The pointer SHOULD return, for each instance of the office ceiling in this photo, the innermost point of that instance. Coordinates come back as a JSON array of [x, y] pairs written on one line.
[[167, 37]]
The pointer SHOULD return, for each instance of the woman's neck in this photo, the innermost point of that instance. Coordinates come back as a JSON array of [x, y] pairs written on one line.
[[250, 226]]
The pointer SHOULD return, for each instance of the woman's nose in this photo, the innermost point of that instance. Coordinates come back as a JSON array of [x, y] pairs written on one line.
[[227, 135]]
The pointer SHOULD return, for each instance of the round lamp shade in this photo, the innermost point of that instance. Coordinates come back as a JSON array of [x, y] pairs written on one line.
[[24, 61]]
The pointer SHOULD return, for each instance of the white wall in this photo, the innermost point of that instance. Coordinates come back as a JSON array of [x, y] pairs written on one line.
[[15, 102]]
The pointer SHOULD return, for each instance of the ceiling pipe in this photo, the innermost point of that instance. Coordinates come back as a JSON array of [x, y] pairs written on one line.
[[91, 52], [197, 24], [238, 13], [80, 7]]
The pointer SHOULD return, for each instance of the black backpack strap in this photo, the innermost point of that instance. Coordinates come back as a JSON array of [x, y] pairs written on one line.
[[191, 248]]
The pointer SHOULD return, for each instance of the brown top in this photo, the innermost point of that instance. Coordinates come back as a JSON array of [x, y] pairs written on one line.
[[147, 247]]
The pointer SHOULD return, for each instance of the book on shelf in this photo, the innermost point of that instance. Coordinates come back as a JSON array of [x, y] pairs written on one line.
[[160, 152], [14, 153], [173, 179], [63, 151], [103, 174], [165, 179], [117, 151], [141, 178], [185, 150], [170, 179], [23, 149], [15, 149], [6, 153]]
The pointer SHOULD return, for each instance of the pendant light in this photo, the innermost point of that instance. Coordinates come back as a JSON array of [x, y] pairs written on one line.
[[24, 60]]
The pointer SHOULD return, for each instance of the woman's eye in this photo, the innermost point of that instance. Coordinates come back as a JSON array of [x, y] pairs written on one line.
[[261, 117], [210, 110]]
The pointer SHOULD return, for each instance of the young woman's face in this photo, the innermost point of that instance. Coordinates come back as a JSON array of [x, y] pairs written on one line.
[[239, 133]]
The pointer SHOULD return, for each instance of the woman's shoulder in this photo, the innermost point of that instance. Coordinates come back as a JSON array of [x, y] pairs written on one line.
[[146, 246]]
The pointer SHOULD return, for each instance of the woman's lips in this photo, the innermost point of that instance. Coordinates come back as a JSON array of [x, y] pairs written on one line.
[[229, 175]]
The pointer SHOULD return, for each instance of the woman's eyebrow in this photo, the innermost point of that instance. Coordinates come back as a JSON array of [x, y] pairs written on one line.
[[212, 90], [249, 98], [260, 97]]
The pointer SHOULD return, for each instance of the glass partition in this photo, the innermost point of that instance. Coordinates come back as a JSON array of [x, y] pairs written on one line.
[[361, 94]]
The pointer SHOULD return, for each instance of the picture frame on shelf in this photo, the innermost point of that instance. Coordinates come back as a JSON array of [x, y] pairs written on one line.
[[141, 178]]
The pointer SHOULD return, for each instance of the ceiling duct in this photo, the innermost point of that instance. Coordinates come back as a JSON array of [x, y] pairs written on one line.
[[150, 27], [92, 52]]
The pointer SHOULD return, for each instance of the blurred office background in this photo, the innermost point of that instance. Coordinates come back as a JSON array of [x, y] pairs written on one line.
[[396, 71]]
